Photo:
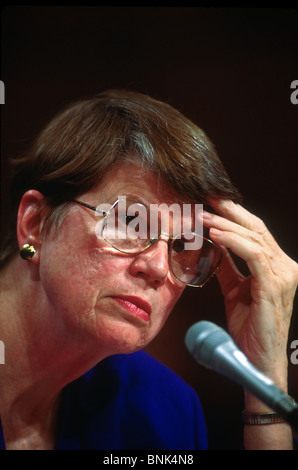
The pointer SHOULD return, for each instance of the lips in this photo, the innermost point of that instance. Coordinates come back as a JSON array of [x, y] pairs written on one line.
[[135, 305]]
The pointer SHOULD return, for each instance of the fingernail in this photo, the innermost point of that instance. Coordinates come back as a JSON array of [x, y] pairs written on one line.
[[215, 231], [206, 215]]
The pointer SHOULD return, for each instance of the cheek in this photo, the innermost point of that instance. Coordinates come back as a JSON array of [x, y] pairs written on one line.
[[167, 302], [73, 275]]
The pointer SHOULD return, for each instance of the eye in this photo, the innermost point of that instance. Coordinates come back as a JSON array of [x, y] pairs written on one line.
[[178, 246], [128, 219], [124, 220]]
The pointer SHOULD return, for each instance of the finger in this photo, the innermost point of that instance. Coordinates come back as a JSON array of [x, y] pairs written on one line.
[[248, 250], [241, 217], [228, 275], [217, 221], [213, 221], [238, 214]]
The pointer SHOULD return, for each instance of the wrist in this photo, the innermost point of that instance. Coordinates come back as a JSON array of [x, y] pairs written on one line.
[[254, 405], [279, 377]]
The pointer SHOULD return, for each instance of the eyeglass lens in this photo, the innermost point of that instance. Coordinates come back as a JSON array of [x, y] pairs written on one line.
[[127, 228]]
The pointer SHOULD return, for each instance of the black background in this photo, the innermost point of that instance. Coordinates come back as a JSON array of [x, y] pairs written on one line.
[[228, 69]]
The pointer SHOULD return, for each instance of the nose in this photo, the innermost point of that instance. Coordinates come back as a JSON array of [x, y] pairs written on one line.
[[152, 264]]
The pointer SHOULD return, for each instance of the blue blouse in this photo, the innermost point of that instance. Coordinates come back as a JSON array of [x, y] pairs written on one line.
[[129, 402]]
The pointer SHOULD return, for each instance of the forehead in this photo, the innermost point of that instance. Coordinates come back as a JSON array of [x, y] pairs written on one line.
[[131, 179]]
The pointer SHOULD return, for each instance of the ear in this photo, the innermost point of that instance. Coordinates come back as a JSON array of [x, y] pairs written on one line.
[[29, 221]]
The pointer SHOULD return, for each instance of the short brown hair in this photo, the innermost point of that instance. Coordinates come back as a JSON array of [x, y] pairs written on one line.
[[82, 143]]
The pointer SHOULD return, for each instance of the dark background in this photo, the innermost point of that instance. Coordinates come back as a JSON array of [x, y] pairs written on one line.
[[228, 69]]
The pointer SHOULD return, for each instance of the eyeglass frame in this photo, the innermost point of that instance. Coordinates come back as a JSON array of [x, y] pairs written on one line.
[[151, 242]]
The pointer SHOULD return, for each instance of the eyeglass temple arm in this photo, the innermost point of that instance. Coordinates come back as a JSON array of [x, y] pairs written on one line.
[[93, 208]]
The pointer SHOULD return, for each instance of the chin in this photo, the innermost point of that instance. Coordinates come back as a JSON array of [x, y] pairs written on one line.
[[121, 337]]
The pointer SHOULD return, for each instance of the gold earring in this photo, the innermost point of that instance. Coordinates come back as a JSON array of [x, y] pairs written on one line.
[[27, 251]]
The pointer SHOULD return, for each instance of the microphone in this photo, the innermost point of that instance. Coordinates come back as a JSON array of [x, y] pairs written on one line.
[[214, 348]]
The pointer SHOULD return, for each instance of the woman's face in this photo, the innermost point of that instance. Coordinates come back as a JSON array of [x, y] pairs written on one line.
[[103, 298]]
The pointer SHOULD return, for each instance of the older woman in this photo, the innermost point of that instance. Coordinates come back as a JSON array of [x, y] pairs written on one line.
[[82, 300]]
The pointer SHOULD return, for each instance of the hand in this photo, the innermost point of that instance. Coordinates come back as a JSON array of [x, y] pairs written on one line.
[[258, 307]]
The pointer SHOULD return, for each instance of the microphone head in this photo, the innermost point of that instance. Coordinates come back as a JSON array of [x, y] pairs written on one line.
[[213, 347], [203, 338]]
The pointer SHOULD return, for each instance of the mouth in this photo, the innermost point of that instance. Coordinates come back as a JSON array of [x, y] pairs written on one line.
[[135, 306]]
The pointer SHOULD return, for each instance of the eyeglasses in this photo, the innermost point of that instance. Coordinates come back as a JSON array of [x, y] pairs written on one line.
[[127, 234]]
